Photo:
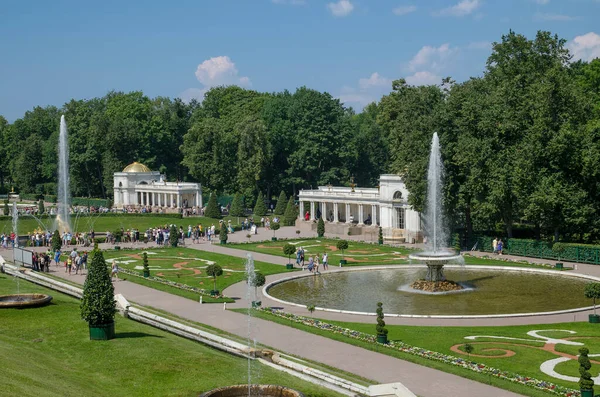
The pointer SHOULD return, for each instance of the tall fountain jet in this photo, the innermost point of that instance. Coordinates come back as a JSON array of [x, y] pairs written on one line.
[[63, 219]]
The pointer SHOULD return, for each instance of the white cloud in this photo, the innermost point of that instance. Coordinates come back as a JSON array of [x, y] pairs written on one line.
[[585, 47], [290, 2], [429, 57], [214, 72], [464, 7], [376, 80], [541, 16], [403, 10], [341, 9], [479, 45], [423, 78]]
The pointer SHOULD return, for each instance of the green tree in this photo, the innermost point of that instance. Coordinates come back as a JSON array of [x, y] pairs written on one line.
[[257, 280], [237, 207], [98, 301], [380, 238], [260, 209], [585, 381], [592, 291], [6, 209], [320, 227], [214, 271], [275, 226], [41, 208], [56, 241], [223, 233], [212, 208], [281, 204], [253, 152], [291, 213], [145, 264], [173, 236], [380, 328], [289, 250], [342, 245]]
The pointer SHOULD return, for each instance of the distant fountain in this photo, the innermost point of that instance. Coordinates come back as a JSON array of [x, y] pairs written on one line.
[[63, 219], [436, 254], [15, 223]]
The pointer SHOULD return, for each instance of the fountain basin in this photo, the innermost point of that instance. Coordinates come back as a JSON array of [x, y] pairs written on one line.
[[255, 390], [24, 300]]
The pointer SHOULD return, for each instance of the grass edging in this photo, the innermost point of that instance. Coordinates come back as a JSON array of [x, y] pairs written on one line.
[[450, 364]]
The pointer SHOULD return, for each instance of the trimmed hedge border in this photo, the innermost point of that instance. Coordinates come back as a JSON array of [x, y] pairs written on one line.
[[428, 354]]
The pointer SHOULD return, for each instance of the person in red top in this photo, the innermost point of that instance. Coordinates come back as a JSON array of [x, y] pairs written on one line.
[[306, 216]]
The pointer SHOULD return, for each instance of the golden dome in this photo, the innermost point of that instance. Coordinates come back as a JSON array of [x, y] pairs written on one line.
[[136, 167]]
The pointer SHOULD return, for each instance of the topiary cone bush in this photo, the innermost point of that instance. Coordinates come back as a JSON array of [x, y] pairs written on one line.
[[212, 208], [291, 213], [321, 227], [173, 236], [260, 209], [223, 233], [237, 206], [380, 328], [146, 267], [98, 302], [6, 209], [380, 239], [585, 380], [281, 204], [41, 208], [56, 241]]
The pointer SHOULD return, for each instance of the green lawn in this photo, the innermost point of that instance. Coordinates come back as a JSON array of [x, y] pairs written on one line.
[[47, 352], [526, 361], [187, 266]]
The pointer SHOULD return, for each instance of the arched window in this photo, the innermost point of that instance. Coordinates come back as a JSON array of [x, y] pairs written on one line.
[[143, 183], [120, 184], [397, 196]]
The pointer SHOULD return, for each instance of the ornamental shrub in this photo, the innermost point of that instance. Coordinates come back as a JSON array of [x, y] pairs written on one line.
[[212, 208], [145, 263], [289, 250], [237, 206], [56, 241], [257, 280], [281, 204], [173, 236], [275, 226], [214, 271], [98, 302], [291, 213], [41, 208], [6, 209], [311, 308], [342, 245], [381, 330], [321, 227], [260, 209], [585, 380], [380, 235], [592, 291], [223, 233]]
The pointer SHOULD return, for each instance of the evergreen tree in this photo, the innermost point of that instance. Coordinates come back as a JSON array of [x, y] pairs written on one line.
[[260, 209], [56, 241], [237, 207], [223, 233], [291, 213], [6, 209], [98, 302], [281, 204], [212, 208], [173, 236], [41, 208], [321, 227]]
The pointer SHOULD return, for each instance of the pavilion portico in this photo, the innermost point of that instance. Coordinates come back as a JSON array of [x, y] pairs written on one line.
[[367, 208]]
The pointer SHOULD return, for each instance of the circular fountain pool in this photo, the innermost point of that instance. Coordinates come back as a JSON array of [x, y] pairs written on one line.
[[24, 300], [488, 291]]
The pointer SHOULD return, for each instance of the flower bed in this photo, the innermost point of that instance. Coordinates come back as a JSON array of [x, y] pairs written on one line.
[[166, 282], [428, 354]]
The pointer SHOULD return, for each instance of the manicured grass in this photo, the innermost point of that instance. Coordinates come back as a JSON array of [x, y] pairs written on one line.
[[188, 266], [525, 362], [47, 352]]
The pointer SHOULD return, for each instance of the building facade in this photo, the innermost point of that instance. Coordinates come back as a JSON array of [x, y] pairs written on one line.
[[363, 210], [138, 186]]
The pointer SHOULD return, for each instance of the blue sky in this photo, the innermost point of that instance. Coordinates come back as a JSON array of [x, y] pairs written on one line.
[[53, 51]]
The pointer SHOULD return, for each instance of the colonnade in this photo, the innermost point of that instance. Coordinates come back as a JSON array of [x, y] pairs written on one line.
[[173, 200], [337, 212]]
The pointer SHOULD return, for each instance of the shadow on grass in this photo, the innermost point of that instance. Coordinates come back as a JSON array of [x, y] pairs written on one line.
[[123, 335]]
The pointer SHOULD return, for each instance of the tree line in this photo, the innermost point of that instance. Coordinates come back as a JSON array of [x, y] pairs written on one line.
[[520, 144]]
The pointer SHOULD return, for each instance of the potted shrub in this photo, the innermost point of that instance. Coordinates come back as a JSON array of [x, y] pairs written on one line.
[[592, 290], [559, 249], [311, 308], [146, 267], [275, 226], [214, 271], [586, 384], [381, 330], [223, 234], [380, 239], [342, 245], [56, 241], [289, 250], [320, 228], [257, 280], [98, 303], [173, 236]]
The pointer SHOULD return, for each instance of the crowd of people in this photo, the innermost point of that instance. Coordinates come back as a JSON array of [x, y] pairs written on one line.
[[313, 261]]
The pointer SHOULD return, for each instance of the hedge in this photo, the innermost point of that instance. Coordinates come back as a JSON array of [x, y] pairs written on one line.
[[569, 252]]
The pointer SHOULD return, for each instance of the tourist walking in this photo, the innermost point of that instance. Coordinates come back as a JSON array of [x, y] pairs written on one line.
[[114, 271], [325, 261], [499, 247], [495, 245]]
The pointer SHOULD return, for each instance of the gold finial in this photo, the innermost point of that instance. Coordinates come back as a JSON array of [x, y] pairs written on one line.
[[352, 184], [12, 190]]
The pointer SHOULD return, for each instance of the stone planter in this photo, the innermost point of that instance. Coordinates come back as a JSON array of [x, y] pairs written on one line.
[[594, 318], [380, 242], [587, 393], [214, 292], [146, 273], [343, 262], [273, 238], [289, 266], [382, 339], [117, 248], [256, 304], [558, 266], [102, 331], [223, 242]]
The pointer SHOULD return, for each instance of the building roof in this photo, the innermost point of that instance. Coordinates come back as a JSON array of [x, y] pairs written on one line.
[[136, 167]]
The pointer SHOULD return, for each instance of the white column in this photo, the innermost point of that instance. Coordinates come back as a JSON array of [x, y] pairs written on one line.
[[335, 213], [361, 218], [312, 210], [301, 209], [197, 199], [164, 200], [374, 215], [347, 213], [171, 200], [179, 202]]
